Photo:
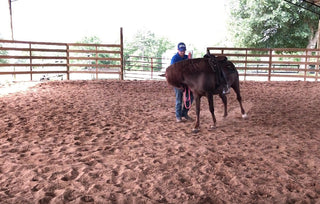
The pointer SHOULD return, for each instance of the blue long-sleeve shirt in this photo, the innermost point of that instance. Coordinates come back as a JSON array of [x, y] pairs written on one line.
[[177, 58]]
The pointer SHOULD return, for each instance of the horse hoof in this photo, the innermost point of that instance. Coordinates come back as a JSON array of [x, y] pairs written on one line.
[[213, 127], [195, 130], [245, 116]]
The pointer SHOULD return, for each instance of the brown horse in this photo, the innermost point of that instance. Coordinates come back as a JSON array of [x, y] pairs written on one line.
[[202, 77]]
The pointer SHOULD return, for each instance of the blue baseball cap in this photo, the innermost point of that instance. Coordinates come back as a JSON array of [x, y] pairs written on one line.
[[182, 46]]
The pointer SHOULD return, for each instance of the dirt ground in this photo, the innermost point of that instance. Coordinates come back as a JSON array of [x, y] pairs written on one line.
[[118, 142]]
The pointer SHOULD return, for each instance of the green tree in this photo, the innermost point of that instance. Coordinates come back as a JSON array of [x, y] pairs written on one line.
[[95, 40], [3, 52], [271, 23], [146, 43], [91, 40]]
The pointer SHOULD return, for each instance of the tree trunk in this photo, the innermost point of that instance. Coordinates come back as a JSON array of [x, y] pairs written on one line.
[[315, 40]]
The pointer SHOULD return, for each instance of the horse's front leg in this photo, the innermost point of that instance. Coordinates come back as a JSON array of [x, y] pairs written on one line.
[[197, 124], [211, 108]]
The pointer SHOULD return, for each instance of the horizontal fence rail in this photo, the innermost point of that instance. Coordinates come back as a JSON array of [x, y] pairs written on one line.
[[141, 67], [22, 60], [273, 64], [44, 60]]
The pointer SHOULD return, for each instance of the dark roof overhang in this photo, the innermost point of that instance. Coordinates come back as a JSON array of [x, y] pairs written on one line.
[[310, 5]]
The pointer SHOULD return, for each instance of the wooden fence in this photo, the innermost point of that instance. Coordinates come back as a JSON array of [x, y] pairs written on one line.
[[273, 64], [41, 60], [140, 67]]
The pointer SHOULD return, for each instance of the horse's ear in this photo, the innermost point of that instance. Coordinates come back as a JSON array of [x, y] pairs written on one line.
[[208, 52]]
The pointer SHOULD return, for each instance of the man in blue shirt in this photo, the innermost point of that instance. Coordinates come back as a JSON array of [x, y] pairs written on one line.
[[181, 110]]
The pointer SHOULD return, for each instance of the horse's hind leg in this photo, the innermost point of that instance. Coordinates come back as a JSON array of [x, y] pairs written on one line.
[[236, 88], [224, 100], [197, 123], [211, 108]]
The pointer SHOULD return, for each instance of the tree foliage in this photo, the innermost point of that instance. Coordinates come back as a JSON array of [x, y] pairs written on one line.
[[95, 40], [3, 52], [272, 23], [91, 40], [146, 43]]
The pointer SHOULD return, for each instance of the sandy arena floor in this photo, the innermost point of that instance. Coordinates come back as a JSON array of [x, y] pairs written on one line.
[[118, 142]]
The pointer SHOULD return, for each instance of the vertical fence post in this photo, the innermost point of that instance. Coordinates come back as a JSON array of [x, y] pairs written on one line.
[[270, 64], [151, 68], [305, 66], [317, 66], [30, 58], [96, 56], [245, 66], [121, 55], [68, 63]]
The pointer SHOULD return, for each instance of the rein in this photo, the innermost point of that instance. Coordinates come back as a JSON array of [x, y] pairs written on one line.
[[187, 98]]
